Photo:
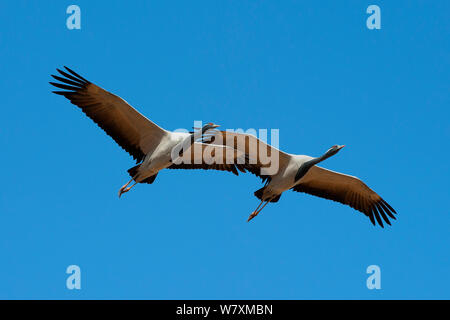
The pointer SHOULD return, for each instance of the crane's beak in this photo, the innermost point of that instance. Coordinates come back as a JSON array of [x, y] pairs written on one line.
[[340, 147], [211, 124]]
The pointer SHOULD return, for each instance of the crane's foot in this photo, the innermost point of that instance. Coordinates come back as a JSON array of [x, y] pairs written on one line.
[[123, 190], [254, 214], [257, 210]]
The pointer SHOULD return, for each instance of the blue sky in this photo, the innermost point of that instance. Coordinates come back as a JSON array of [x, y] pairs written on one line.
[[311, 69]]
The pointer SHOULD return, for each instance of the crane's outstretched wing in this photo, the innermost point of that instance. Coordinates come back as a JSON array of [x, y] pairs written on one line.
[[131, 130], [260, 155], [347, 190], [211, 157]]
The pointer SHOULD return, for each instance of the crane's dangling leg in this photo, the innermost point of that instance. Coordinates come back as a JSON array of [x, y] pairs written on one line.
[[258, 210], [253, 214], [124, 187]]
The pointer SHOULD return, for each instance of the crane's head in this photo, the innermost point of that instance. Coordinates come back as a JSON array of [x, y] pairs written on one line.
[[209, 126], [201, 133], [303, 169], [333, 150]]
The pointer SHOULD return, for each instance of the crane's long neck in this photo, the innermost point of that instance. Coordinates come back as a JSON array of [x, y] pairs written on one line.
[[190, 140], [197, 135], [304, 168], [325, 156], [193, 137]]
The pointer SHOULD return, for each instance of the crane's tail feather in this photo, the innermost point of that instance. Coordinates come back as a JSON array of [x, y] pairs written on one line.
[[150, 180], [134, 171], [259, 194]]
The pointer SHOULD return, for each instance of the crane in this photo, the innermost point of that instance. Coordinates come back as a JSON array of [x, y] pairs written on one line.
[[300, 173], [150, 145]]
